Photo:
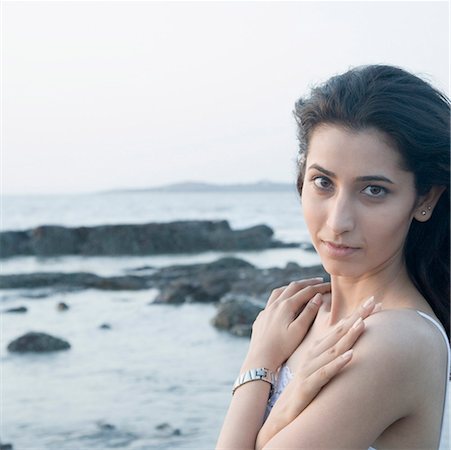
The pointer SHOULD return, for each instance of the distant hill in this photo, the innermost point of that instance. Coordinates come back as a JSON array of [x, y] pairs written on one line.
[[196, 186]]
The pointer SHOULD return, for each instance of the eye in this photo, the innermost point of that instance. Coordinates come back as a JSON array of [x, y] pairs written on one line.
[[375, 191], [322, 183]]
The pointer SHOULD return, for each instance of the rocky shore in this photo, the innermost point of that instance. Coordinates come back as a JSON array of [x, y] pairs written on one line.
[[236, 286], [136, 239]]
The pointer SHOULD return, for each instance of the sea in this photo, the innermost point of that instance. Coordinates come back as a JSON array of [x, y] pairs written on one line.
[[161, 376]]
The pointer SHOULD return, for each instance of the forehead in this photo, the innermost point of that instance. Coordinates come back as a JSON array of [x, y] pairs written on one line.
[[369, 150]]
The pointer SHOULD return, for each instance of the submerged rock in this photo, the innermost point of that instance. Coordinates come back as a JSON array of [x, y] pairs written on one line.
[[20, 309], [108, 435], [37, 343], [105, 426], [61, 306], [168, 430]]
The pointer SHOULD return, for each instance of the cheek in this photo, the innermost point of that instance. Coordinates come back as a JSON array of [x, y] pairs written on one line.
[[388, 228]]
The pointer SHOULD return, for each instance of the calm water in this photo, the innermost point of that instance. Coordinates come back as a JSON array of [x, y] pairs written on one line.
[[158, 363]]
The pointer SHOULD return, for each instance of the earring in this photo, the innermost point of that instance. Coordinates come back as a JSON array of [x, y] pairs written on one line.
[[423, 213], [429, 207]]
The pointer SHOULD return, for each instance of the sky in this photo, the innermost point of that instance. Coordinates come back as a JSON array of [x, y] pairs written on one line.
[[114, 95]]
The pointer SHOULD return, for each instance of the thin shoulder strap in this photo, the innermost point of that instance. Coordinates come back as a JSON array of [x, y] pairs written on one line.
[[440, 327]]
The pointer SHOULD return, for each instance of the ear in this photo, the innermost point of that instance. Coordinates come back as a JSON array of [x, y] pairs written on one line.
[[427, 202]]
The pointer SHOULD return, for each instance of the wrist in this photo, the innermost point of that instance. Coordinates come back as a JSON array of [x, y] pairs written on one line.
[[251, 362], [255, 374]]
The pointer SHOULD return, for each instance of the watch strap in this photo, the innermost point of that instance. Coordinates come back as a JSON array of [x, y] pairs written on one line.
[[253, 375]]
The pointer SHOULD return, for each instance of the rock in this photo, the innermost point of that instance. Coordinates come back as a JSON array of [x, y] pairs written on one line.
[[20, 309], [181, 291], [228, 262], [166, 274], [206, 282], [199, 282], [105, 426], [76, 280], [237, 314], [110, 436], [52, 240], [6, 446], [167, 430], [105, 326], [38, 343], [260, 283], [14, 243], [61, 306], [135, 239]]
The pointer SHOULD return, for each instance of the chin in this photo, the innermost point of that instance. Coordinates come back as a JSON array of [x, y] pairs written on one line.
[[341, 268]]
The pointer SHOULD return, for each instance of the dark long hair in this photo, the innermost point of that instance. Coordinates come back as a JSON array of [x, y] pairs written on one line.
[[416, 118]]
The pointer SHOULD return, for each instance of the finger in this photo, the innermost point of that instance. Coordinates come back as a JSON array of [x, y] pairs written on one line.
[[342, 345], [304, 320], [341, 329], [275, 294], [290, 289], [363, 311], [377, 308], [322, 376], [343, 326], [297, 301], [296, 286]]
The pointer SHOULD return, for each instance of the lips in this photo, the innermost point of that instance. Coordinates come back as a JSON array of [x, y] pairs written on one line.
[[336, 249]]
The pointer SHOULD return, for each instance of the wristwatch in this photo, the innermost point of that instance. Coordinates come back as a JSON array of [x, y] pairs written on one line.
[[253, 375]]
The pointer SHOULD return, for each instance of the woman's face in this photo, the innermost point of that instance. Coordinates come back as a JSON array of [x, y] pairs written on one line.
[[358, 202]]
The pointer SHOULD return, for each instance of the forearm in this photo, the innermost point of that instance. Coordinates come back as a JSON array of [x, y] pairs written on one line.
[[245, 415], [266, 433]]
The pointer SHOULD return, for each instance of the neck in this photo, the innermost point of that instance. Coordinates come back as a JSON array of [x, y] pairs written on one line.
[[390, 285]]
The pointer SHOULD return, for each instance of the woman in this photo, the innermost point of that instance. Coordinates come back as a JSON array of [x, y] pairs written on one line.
[[374, 183]]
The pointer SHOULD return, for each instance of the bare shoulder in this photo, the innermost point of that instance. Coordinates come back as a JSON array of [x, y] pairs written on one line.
[[405, 335], [403, 351]]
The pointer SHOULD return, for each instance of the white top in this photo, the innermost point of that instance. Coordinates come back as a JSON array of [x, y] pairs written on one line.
[[284, 376]]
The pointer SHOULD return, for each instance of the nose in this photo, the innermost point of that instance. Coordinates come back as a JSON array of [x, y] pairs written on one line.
[[340, 214]]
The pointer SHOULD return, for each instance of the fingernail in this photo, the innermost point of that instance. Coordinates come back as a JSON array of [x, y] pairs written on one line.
[[378, 307], [357, 323], [347, 355], [369, 302], [317, 299]]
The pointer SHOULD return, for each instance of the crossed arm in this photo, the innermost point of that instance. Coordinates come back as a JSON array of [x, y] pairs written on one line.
[[374, 391], [371, 392]]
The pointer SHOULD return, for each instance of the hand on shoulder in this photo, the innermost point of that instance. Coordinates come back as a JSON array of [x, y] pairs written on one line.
[[383, 383]]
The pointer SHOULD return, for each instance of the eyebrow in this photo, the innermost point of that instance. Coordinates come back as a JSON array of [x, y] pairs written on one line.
[[364, 178]]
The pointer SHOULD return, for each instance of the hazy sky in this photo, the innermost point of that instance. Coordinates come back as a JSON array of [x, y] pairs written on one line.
[[105, 95]]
